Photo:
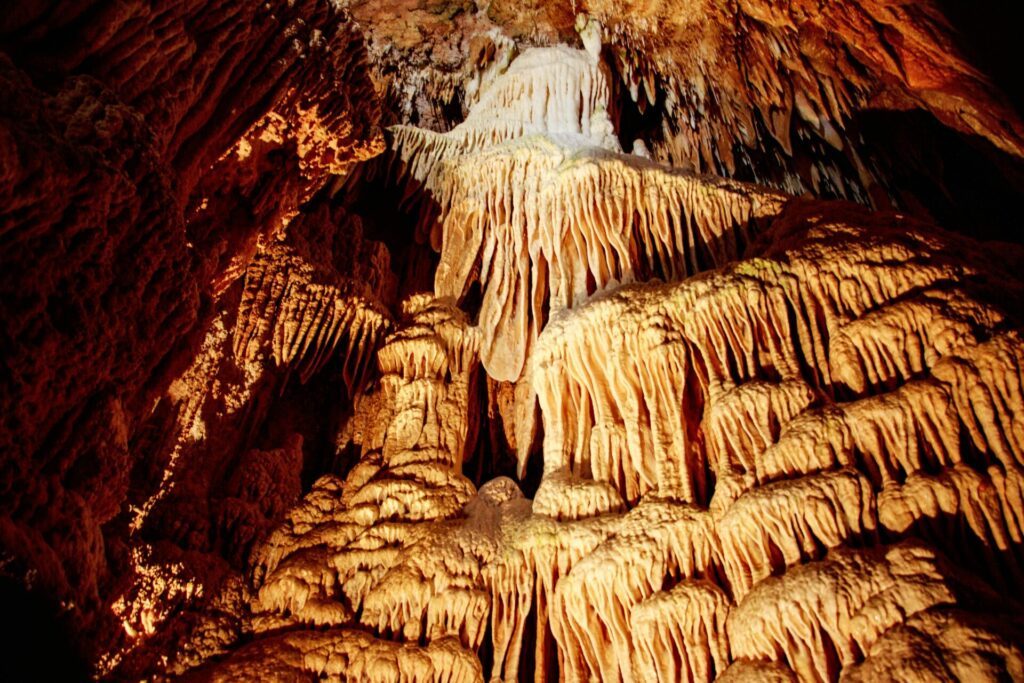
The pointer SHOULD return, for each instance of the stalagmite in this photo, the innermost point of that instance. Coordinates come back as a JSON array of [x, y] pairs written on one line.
[[408, 474], [346, 655]]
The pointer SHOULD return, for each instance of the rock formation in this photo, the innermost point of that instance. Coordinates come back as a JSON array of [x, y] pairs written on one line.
[[579, 371]]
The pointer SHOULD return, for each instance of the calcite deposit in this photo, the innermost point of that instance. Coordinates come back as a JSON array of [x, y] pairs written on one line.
[[443, 340]]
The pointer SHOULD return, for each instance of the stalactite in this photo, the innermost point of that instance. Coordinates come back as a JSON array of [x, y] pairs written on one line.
[[824, 615], [757, 671], [611, 374], [780, 525], [743, 397], [887, 436], [987, 383], [544, 91], [533, 217], [537, 554], [741, 423], [563, 495], [592, 605], [944, 644], [679, 634], [521, 188], [960, 507], [793, 73], [304, 321], [902, 340]]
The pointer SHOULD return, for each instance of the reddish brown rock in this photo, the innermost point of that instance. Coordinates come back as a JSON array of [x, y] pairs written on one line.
[[126, 202]]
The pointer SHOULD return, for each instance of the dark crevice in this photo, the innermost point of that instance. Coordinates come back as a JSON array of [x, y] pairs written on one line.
[[39, 625]]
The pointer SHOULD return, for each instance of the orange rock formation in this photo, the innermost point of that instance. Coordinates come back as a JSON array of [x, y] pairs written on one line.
[[558, 393]]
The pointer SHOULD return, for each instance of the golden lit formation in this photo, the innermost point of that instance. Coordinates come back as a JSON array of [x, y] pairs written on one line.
[[486, 342]]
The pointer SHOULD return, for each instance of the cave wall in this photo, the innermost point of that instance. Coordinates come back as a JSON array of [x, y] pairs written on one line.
[[148, 147], [557, 376]]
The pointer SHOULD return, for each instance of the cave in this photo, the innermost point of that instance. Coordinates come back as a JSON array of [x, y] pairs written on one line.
[[552, 340]]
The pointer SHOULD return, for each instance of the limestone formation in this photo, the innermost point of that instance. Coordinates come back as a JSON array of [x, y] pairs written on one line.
[[304, 321], [579, 372], [771, 74]]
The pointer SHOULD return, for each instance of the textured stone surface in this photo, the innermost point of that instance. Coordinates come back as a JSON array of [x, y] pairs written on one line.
[[146, 148], [731, 460], [538, 384]]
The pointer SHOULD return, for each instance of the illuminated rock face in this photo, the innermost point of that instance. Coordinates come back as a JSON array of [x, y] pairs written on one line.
[[743, 466], [766, 437]]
